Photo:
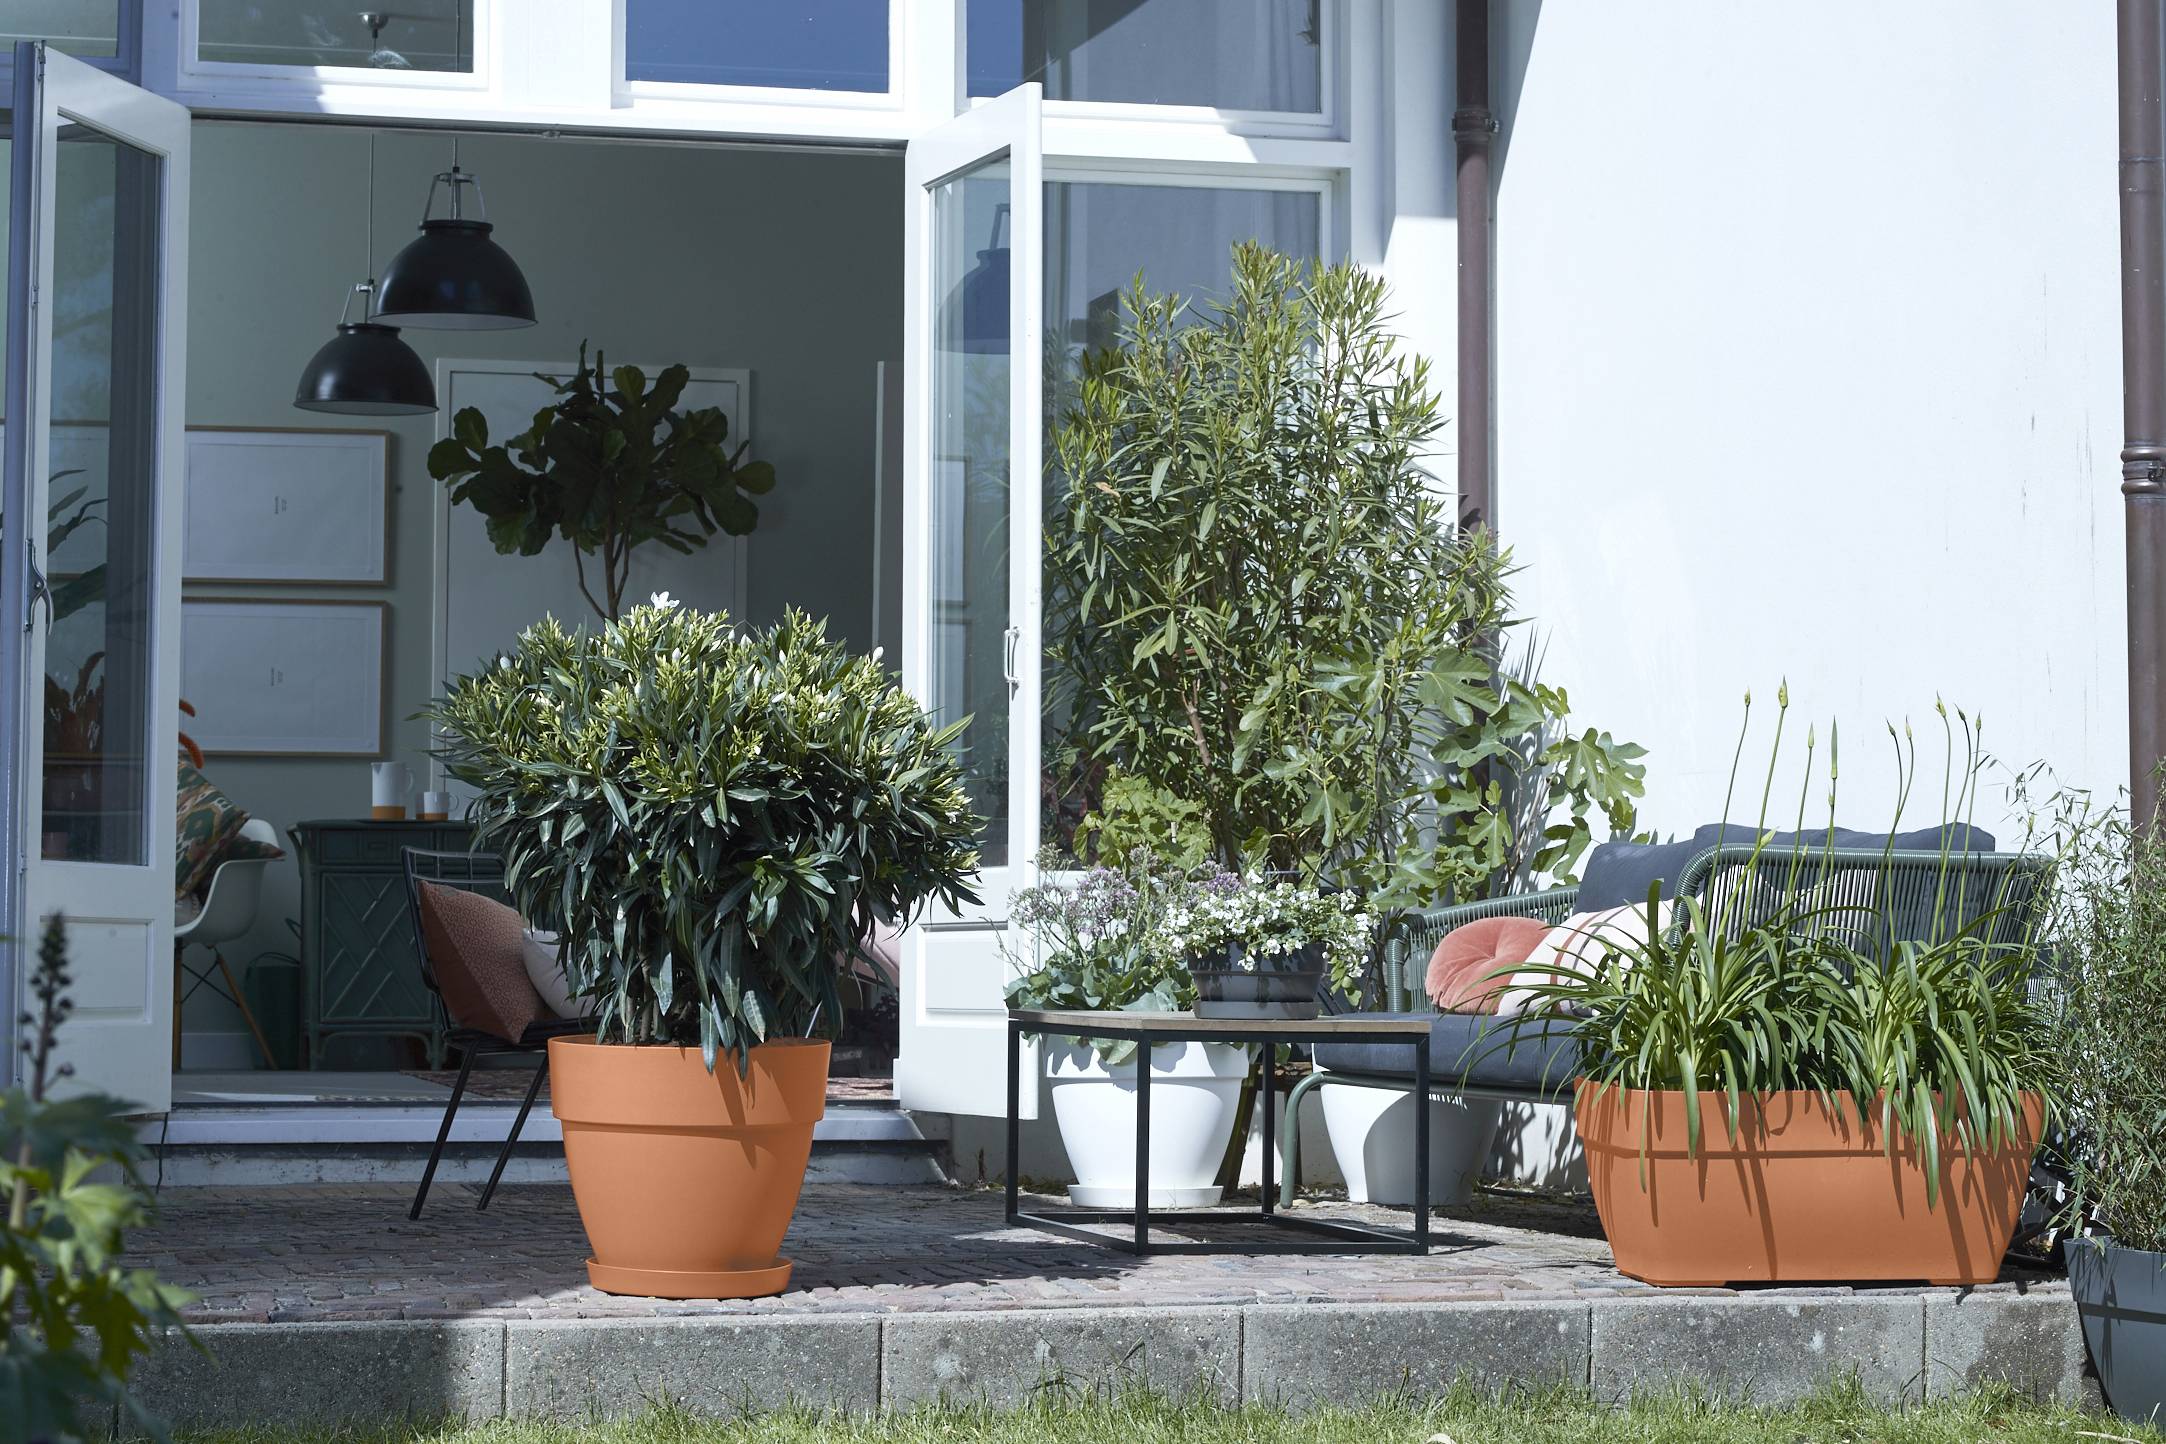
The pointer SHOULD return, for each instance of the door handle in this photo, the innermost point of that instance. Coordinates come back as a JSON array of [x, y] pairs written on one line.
[[1010, 645], [40, 591]]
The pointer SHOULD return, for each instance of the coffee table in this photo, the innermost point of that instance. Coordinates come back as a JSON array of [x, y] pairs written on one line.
[[1318, 1235]]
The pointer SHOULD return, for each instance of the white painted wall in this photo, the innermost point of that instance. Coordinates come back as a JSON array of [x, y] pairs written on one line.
[[1808, 367]]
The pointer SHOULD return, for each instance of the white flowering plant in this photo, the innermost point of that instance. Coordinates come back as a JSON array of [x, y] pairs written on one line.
[[712, 818], [1253, 925], [1085, 941]]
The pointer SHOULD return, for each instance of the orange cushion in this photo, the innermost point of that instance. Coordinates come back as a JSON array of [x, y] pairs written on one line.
[[1463, 972]]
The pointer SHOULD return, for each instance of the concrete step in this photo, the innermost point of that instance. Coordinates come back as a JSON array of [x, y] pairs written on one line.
[[857, 1142]]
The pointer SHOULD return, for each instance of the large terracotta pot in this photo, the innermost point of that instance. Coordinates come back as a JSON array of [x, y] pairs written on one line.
[[685, 1179], [1800, 1196]]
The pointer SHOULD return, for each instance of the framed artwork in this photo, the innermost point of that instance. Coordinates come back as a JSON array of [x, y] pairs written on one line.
[[293, 508], [284, 678]]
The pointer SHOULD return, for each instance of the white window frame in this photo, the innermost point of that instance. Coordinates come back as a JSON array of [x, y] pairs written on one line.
[[1337, 46], [125, 63], [195, 74], [693, 97]]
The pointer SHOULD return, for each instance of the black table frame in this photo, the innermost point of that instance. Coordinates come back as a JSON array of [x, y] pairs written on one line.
[[1329, 1236]]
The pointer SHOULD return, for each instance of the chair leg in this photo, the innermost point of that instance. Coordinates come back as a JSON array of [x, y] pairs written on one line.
[[248, 1014], [541, 1071], [428, 1174]]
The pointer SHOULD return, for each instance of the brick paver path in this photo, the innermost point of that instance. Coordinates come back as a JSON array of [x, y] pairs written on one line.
[[348, 1252]]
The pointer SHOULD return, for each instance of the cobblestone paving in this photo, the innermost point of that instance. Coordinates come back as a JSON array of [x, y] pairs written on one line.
[[345, 1252]]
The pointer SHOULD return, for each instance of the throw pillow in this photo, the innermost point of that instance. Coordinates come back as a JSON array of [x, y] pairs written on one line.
[[1464, 972], [1583, 941], [477, 952], [538, 950], [205, 822]]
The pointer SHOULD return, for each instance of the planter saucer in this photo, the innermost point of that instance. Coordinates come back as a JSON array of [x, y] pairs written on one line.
[[689, 1283], [1099, 1196]]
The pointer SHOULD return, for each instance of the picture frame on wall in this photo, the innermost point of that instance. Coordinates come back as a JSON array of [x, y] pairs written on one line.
[[287, 507], [275, 677]]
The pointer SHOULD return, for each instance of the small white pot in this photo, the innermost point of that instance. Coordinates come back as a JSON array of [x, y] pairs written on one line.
[[1372, 1136], [1195, 1094]]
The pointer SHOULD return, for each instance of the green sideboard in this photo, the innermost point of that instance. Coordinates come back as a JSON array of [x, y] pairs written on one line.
[[359, 971]]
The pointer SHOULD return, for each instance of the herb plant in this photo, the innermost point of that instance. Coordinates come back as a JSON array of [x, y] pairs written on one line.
[[1257, 604], [2107, 938], [611, 467], [73, 1320], [713, 820]]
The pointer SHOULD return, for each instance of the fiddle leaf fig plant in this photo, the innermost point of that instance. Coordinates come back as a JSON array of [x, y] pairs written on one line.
[[611, 467], [712, 820]]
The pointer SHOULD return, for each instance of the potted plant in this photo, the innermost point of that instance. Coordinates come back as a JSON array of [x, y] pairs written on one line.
[[611, 467], [2108, 944], [1091, 940], [1780, 1099], [1260, 950], [712, 821]]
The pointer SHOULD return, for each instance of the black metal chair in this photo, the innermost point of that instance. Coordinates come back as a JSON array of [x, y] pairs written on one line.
[[480, 872]]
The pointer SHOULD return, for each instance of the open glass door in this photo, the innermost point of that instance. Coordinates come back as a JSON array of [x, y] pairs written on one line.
[[90, 581], [972, 497]]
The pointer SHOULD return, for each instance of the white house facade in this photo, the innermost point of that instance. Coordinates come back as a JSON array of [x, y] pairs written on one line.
[[1793, 352]]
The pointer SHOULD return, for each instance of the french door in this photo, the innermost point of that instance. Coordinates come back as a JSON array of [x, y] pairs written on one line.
[[972, 498], [90, 572]]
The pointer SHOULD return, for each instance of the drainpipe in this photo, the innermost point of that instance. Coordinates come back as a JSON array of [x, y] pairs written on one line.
[[2142, 28], [1474, 130]]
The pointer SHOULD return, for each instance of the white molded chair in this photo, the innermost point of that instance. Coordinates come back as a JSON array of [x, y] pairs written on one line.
[[229, 911]]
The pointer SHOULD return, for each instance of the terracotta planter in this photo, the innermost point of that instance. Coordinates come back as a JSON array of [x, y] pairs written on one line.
[[685, 1179], [1801, 1196]]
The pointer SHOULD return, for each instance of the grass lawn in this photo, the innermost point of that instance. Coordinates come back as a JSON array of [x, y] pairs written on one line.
[[1840, 1417]]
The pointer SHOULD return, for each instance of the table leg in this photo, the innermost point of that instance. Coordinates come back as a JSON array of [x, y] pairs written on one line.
[[1015, 1109], [1270, 1131], [1143, 1146], [1421, 1146]]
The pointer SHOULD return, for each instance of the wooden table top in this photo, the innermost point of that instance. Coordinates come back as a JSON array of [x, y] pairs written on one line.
[[1076, 1020]]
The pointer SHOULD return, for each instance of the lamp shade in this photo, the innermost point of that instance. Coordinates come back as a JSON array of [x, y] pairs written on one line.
[[366, 370], [977, 311], [453, 277]]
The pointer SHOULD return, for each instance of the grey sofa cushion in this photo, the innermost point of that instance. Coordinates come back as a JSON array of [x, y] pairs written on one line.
[[1523, 1054]]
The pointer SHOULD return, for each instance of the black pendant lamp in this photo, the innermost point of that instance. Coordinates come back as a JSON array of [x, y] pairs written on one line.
[[976, 320], [366, 370], [454, 277]]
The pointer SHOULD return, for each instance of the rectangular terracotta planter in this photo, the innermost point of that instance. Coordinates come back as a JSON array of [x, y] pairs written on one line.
[[1799, 1196]]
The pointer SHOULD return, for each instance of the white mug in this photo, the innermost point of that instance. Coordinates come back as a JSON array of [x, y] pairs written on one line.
[[389, 783], [435, 806]]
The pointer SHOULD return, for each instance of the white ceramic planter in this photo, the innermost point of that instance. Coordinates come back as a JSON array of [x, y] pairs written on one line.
[[1195, 1092], [1372, 1136]]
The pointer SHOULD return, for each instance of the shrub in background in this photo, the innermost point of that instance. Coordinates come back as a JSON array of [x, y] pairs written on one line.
[[1257, 604]]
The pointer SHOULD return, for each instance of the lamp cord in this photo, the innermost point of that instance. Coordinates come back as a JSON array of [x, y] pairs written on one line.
[[368, 224]]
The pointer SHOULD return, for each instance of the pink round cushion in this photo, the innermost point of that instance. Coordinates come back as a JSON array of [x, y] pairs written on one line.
[[1463, 972]]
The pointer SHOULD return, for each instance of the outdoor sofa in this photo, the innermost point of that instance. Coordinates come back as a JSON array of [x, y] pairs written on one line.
[[1915, 886]]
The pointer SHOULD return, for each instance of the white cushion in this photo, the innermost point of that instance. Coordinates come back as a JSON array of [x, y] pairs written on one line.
[[1583, 941], [539, 951]]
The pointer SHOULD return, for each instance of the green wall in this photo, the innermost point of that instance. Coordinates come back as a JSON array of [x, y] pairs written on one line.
[[785, 263]]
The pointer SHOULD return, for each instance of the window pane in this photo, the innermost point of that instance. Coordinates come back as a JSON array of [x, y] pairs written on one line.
[[88, 28], [99, 517], [786, 44], [1231, 54], [1098, 236], [416, 35], [968, 556]]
